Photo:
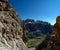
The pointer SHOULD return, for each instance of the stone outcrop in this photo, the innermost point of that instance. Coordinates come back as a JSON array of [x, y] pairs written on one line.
[[53, 41], [12, 30]]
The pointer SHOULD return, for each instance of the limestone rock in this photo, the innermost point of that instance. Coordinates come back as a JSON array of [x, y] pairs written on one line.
[[12, 31]]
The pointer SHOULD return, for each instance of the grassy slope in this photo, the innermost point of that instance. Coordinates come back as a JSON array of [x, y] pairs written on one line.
[[32, 43]]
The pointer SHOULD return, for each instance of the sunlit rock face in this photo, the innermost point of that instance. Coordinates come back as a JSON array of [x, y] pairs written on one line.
[[54, 42], [12, 31]]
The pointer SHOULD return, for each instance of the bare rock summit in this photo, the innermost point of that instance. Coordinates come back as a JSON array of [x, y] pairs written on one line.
[[12, 30]]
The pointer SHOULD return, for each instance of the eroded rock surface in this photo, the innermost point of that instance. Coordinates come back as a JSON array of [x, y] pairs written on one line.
[[12, 30]]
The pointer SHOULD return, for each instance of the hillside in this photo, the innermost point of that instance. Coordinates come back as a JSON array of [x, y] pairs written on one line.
[[36, 28], [53, 41]]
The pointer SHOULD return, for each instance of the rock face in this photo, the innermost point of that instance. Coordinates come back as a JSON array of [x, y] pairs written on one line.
[[12, 30], [36, 28], [54, 42]]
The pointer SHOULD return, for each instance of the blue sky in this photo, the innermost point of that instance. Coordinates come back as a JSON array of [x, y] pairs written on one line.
[[45, 10]]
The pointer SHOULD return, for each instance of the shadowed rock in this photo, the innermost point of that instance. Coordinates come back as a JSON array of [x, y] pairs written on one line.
[[53, 42], [43, 45]]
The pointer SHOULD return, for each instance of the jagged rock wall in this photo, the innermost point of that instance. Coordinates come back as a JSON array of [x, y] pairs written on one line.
[[12, 30], [54, 42]]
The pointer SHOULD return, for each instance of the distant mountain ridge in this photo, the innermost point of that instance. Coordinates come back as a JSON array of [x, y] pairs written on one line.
[[36, 28]]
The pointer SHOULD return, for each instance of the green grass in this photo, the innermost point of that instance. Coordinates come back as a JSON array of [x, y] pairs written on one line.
[[33, 42]]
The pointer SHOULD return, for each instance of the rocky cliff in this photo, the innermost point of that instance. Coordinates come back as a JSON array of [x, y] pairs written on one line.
[[53, 41], [12, 30], [37, 28]]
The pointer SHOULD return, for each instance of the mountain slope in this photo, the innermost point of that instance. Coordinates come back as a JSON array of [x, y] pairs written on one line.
[[36, 28]]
